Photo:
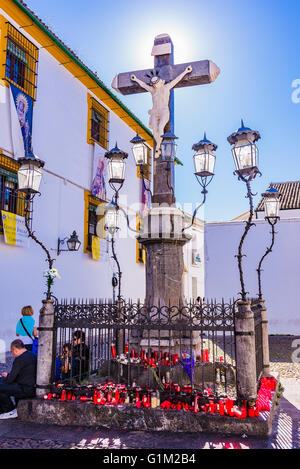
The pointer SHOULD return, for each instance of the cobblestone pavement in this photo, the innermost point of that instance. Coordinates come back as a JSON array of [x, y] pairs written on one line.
[[15, 434]]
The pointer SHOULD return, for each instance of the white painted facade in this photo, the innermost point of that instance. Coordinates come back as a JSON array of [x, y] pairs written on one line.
[[281, 268], [194, 262], [60, 139]]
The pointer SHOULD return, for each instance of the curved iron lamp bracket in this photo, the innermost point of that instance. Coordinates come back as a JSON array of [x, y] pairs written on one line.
[[269, 249], [204, 182]]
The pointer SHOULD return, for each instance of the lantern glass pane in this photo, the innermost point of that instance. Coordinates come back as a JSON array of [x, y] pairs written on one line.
[[111, 220], [204, 162], [71, 245], [168, 150], [116, 169], [271, 207], [140, 153], [245, 155], [29, 178]]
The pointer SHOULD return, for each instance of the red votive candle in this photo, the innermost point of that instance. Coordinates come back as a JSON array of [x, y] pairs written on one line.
[[113, 351], [126, 348], [221, 408], [206, 355], [251, 412], [63, 396]]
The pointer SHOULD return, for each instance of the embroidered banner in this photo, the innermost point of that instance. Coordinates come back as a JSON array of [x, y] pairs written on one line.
[[24, 107], [99, 173]]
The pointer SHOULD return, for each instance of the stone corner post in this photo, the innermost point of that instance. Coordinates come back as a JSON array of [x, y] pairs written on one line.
[[45, 348], [265, 338], [245, 353]]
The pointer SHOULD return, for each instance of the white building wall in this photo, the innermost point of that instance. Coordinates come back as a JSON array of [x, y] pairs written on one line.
[[60, 119], [281, 268], [194, 269], [60, 139]]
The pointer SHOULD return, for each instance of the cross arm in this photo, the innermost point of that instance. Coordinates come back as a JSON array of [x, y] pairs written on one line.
[[204, 72]]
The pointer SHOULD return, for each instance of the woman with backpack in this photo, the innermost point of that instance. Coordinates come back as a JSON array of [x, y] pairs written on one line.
[[26, 329]]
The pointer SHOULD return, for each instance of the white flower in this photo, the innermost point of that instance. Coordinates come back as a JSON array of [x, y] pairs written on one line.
[[53, 273]]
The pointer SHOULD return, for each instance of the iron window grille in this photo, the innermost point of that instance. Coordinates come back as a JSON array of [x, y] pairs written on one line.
[[92, 224], [21, 61], [10, 199], [99, 124]]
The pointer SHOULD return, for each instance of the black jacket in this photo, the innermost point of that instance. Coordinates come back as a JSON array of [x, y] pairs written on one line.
[[23, 372], [81, 357]]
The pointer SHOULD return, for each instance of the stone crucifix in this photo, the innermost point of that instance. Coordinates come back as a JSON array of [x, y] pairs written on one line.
[[160, 82], [160, 113], [164, 251]]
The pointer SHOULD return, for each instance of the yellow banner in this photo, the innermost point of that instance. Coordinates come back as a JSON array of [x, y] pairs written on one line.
[[96, 248], [9, 227], [14, 229]]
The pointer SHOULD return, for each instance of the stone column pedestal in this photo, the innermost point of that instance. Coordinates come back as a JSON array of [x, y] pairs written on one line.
[[245, 353], [265, 338], [45, 349], [164, 240]]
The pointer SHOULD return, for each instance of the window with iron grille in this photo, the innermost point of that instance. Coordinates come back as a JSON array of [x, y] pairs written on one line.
[[98, 120], [21, 59], [92, 224], [94, 220], [10, 200]]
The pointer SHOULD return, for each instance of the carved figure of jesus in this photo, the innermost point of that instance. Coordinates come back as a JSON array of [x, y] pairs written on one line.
[[160, 113]]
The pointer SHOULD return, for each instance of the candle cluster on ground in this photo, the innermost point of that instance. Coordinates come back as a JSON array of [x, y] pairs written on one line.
[[155, 358], [171, 397]]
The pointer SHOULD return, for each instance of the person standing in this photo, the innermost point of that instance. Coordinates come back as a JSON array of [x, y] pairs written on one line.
[[80, 356], [26, 329], [20, 382]]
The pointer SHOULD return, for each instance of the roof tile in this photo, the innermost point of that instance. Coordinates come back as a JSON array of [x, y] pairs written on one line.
[[289, 195]]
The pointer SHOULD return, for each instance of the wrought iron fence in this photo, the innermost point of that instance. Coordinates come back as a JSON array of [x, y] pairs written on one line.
[[154, 348]]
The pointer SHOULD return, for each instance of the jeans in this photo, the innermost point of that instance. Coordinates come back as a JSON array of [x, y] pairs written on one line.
[[11, 390]]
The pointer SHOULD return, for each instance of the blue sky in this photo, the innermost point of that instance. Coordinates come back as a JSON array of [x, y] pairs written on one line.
[[256, 46]]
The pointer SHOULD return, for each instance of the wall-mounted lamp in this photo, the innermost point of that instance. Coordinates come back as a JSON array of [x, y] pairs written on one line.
[[73, 243]]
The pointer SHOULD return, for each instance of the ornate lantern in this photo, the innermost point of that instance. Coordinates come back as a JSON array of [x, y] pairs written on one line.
[[73, 242], [111, 218], [30, 174], [168, 146], [204, 158], [116, 165], [139, 150], [244, 151], [271, 204]]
